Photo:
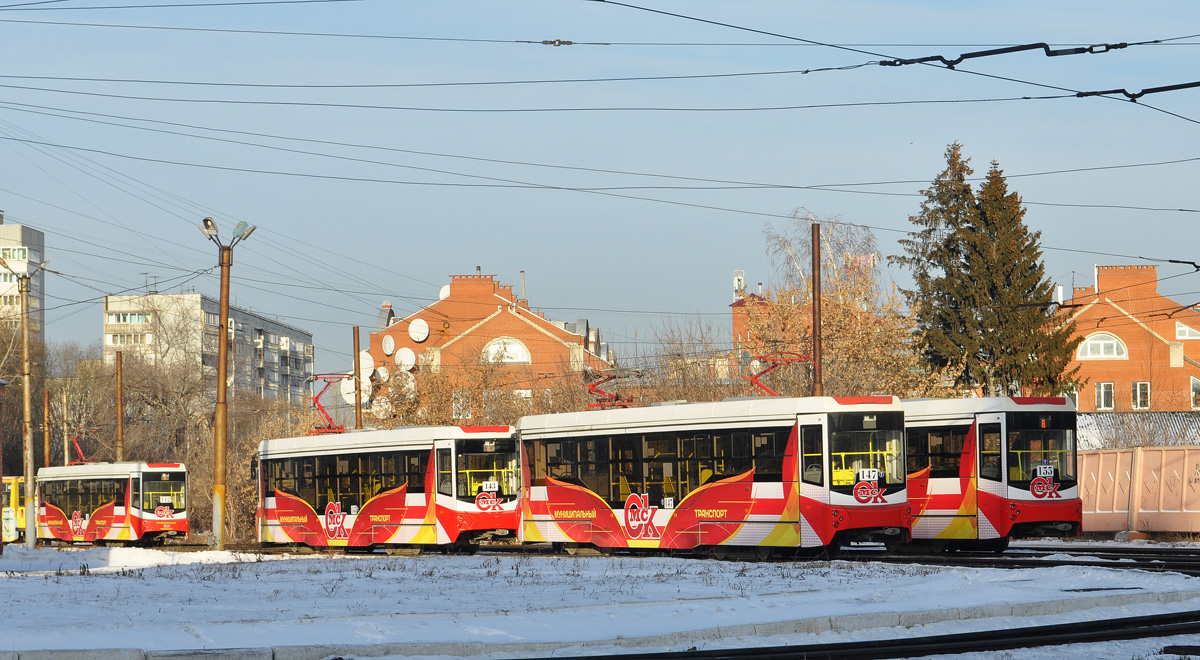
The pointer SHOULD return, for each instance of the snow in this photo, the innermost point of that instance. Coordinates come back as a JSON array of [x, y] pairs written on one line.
[[155, 600]]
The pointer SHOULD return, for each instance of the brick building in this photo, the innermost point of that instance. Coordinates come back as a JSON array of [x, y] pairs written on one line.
[[476, 318], [1140, 350]]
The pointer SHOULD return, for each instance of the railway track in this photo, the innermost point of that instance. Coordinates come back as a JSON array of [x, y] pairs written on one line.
[[1142, 627]]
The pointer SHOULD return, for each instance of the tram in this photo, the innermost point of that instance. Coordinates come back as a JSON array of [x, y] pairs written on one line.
[[742, 477], [984, 471], [134, 503], [12, 509], [408, 487]]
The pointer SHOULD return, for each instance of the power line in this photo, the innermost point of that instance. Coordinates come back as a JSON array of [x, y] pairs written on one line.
[[235, 3], [407, 108]]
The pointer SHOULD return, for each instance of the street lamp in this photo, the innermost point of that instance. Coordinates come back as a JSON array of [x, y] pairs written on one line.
[[241, 232], [27, 401]]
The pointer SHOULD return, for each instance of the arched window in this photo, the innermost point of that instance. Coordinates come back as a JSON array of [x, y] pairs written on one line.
[[1101, 346], [506, 350]]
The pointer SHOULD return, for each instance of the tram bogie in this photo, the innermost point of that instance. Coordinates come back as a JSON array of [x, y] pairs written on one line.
[[112, 503], [986, 470]]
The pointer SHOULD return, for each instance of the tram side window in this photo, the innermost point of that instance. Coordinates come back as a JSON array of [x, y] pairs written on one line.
[[594, 465], [939, 448], [989, 452], [445, 473], [626, 475], [562, 461], [812, 464], [769, 448], [660, 452]]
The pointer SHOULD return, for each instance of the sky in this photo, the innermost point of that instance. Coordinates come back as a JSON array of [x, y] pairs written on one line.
[[583, 605], [333, 126]]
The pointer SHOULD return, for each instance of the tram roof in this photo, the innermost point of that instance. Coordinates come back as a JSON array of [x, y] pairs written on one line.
[[102, 470], [915, 409], [353, 441], [730, 412]]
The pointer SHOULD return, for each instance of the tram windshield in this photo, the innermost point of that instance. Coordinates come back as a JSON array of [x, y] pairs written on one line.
[[164, 489], [1040, 443], [487, 465], [862, 442]]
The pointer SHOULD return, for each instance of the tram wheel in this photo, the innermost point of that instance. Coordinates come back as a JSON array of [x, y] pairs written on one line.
[[719, 552], [761, 552]]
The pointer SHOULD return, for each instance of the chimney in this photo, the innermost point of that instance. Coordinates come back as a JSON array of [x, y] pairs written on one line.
[[523, 287], [478, 271], [1058, 294], [760, 289], [1, 217]]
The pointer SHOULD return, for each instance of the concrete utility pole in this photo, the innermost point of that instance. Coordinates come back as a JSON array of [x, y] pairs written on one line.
[[66, 440], [818, 385], [27, 402], [220, 413], [120, 409]]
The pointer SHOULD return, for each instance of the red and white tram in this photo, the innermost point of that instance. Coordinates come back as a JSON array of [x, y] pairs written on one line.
[[137, 503], [983, 471], [412, 486], [764, 474]]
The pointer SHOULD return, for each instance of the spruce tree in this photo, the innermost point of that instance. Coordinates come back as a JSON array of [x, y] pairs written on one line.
[[982, 297]]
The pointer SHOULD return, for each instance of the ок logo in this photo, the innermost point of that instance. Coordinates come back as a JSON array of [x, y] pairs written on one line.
[[487, 502], [1044, 488], [76, 523], [869, 492], [335, 521], [639, 517], [163, 511]]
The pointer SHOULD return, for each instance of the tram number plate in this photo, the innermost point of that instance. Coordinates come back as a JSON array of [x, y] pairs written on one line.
[[1045, 470], [868, 474], [164, 499], [491, 486]]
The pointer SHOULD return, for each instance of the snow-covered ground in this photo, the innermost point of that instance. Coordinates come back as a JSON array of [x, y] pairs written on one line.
[[522, 606]]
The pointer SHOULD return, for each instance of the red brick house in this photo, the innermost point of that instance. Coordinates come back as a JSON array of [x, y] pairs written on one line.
[[1140, 349], [478, 319]]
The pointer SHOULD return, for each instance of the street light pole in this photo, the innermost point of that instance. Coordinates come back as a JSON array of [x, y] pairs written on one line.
[[27, 401], [221, 411]]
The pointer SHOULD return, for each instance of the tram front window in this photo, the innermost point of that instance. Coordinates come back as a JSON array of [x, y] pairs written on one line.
[[1040, 442], [861, 442], [164, 489], [487, 465]]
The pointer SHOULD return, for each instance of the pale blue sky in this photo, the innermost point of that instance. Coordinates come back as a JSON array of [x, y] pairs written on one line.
[[329, 250]]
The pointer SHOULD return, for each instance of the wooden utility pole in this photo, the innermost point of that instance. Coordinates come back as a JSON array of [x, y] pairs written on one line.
[[45, 427], [818, 385], [27, 417], [120, 409], [357, 386]]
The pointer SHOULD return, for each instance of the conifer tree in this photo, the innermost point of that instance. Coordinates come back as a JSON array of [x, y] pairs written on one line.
[[981, 296]]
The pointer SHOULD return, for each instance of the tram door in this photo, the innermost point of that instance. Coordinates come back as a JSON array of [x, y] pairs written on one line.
[[990, 457], [443, 464], [813, 468]]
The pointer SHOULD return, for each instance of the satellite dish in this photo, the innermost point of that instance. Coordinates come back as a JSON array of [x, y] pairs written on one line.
[[347, 390], [383, 374], [389, 344], [444, 293], [366, 365], [406, 359], [418, 330]]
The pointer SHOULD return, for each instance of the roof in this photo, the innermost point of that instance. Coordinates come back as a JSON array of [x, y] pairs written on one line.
[[411, 437], [754, 411], [920, 409], [104, 470]]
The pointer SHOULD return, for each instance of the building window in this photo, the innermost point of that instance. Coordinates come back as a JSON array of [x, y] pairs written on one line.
[[212, 318], [1102, 346], [460, 404], [18, 253], [128, 317], [10, 301], [1104, 396], [1195, 392], [127, 339], [1185, 332], [8, 278], [1141, 396], [506, 350]]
